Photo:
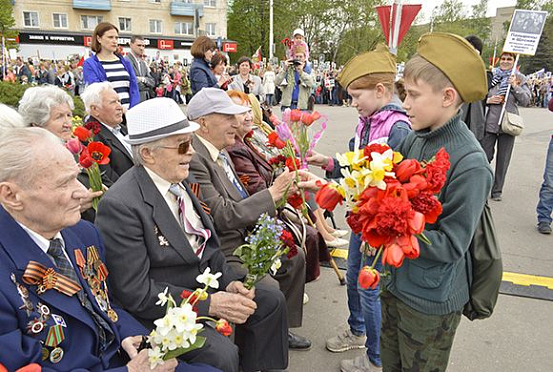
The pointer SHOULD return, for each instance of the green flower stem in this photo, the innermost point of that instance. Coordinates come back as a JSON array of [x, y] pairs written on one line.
[[423, 238], [95, 180], [378, 253]]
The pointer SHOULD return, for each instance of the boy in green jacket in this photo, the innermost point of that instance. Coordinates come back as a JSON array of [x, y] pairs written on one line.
[[422, 300]]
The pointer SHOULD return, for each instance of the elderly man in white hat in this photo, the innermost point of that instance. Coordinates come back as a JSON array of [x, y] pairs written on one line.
[[157, 235], [232, 208]]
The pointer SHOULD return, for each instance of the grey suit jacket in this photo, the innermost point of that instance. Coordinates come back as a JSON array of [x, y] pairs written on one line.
[[144, 71], [147, 250], [231, 214]]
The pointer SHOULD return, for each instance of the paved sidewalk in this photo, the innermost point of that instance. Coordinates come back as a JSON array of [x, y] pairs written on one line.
[[519, 336]]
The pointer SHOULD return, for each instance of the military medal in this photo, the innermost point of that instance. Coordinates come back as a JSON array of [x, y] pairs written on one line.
[[59, 320], [43, 310], [95, 272], [113, 315], [36, 326], [45, 353], [24, 294], [56, 355]]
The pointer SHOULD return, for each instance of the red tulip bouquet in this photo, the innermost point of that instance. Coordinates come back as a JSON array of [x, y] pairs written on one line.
[[89, 154], [389, 199], [296, 139]]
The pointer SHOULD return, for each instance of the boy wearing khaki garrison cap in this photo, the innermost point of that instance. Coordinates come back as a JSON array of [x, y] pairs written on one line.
[[423, 299]]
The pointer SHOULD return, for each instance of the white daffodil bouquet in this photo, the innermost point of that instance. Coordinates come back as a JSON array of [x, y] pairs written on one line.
[[177, 332]]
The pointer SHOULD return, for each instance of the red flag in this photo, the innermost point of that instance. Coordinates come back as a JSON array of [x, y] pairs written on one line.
[[81, 61], [408, 14], [384, 17]]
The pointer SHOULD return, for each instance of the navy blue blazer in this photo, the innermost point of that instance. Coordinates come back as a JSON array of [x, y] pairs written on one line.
[[201, 76], [20, 347]]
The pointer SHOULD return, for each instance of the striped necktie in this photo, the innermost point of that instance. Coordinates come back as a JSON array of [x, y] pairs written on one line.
[[231, 176], [200, 236]]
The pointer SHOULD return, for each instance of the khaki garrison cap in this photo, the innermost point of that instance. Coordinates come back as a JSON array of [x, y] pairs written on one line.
[[458, 60], [379, 60]]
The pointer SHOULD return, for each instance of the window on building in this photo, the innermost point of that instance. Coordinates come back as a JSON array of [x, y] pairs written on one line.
[[211, 3], [90, 22], [210, 29], [30, 19], [184, 28], [155, 26], [156, 1], [125, 24], [60, 20], [183, 1]]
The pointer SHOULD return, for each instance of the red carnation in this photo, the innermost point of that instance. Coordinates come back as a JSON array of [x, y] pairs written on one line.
[[416, 184], [296, 201], [82, 134], [391, 220], [368, 278], [375, 147], [290, 164], [287, 239], [426, 203], [223, 327], [93, 126]]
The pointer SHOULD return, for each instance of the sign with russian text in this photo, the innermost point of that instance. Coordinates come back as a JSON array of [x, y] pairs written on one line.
[[525, 32]]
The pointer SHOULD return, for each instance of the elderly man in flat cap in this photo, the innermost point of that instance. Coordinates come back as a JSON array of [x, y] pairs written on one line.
[[159, 236], [54, 305], [232, 208]]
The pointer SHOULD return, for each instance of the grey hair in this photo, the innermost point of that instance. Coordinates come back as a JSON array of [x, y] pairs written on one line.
[[18, 153], [92, 94], [9, 118], [37, 104], [137, 150]]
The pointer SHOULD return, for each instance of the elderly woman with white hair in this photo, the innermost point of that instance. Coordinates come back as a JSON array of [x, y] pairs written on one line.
[[9, 118], [48, 107], [51, 108]]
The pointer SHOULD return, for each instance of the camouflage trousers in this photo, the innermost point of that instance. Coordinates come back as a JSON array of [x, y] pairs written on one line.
[[411, 341]]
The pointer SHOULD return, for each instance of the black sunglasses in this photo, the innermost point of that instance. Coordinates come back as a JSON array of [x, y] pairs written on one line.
[[182, 148]]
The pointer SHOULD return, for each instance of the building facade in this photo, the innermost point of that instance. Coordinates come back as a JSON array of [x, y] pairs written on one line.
[[57, 29]]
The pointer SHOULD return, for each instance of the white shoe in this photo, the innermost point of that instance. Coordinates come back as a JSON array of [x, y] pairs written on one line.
[[337, 243], [305, 298], [339, 233]]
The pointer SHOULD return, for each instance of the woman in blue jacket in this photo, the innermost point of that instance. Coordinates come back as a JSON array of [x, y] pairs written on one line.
[[108, 65], [201, 75]]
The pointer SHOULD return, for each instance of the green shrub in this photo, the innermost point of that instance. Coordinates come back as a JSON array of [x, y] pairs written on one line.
[[10, 94]]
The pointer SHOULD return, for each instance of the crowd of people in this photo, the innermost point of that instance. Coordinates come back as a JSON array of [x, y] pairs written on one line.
[[185, 185]]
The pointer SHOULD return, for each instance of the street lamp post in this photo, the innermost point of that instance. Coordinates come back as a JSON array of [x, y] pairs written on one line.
[[270, 30]]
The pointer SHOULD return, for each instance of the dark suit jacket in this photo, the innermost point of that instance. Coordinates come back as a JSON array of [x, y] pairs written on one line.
[[231, 214], [251, 167], [149, 84], [147, 250], [18, 347], [120, 160]]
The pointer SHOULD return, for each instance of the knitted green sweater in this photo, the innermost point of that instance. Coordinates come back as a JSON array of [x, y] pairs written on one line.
[[436, 283]]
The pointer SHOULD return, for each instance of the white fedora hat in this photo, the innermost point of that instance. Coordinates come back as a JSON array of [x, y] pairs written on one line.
[[156, 118]]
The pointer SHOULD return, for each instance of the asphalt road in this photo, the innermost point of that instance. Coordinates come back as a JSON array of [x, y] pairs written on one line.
[[519, 336]]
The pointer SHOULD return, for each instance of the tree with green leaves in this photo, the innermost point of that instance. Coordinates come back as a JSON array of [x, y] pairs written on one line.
[[7, 23]]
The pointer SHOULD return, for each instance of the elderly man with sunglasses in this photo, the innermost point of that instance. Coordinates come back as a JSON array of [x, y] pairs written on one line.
[[158, 235]]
